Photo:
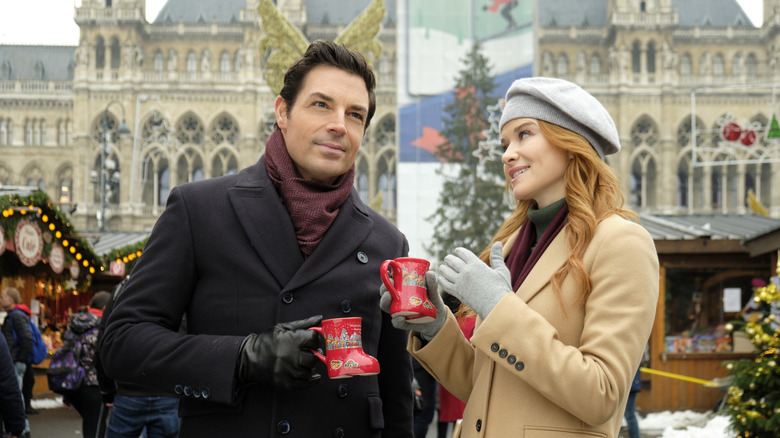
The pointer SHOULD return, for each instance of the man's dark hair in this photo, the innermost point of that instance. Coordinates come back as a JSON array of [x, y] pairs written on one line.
[[336, 55], [99, 300]]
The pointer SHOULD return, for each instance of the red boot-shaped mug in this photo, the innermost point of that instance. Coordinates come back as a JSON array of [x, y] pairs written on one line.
[[408, 289], [344, 355]]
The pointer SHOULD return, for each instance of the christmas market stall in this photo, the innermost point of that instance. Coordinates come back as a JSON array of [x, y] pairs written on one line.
[[43, 256], [710, 267]]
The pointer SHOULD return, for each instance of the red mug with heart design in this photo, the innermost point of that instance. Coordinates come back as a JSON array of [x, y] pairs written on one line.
[[408, 288], [344, 355]]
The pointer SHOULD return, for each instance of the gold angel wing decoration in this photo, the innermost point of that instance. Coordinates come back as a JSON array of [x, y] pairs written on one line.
[[285, 42], [360, 35], [755, 204]]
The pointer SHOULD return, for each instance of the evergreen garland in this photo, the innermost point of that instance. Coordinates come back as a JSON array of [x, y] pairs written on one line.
[[754, 396], [38, 207]]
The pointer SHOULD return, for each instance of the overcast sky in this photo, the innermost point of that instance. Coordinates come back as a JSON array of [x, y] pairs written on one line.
[[50, 22]]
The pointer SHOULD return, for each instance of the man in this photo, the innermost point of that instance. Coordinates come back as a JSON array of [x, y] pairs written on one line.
[[16, 328], [257, 258], [134, 408]]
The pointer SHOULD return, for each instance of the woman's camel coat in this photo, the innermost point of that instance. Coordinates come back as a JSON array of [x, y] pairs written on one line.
[[532, 370]]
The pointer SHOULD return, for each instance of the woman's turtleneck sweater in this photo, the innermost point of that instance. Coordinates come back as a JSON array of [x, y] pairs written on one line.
[[541, 217]]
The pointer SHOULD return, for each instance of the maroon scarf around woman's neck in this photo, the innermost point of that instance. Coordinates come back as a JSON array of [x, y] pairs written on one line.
[[524, 255], [312, 205]]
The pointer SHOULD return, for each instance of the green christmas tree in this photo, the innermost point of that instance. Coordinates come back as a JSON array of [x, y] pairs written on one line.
[[774, 128], [472, 203], [754, 395]]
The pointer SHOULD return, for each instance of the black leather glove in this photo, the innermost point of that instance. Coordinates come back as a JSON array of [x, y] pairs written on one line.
[[281, 356]]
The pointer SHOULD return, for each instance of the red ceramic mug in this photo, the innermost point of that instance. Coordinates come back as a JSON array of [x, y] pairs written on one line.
[[408, 289], [344, 355]]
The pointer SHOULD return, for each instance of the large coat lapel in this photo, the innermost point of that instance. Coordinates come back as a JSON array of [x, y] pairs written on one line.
[[266, 222], [348, 230]]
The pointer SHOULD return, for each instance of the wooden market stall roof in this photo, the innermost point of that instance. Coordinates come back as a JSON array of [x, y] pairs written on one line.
[[713, 233]]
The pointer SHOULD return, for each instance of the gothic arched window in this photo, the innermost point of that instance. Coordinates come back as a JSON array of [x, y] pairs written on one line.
[[155, 178], [100, 53], [685, 65], [189, 129], [192, 62], [158, 61], [224, 129], [750, 65], [636, 52], [224, 163], [651, 57], [563, 65], [595, 65], [116, 54], [717, 65], [224, 62]]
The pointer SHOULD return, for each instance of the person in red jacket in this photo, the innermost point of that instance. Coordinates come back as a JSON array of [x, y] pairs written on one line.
[[450, 407], [506, 10]]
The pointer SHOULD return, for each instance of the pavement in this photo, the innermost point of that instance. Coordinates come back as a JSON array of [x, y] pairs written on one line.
[[53, 422]]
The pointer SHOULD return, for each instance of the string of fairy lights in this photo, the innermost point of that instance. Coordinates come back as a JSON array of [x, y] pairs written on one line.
[[60, 229]]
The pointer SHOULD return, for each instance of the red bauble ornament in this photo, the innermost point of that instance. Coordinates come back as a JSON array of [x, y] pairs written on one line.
[[731, 131], [749, 138]]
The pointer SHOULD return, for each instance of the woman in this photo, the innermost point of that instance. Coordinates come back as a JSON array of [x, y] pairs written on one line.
[[564, 295], [86, 400]]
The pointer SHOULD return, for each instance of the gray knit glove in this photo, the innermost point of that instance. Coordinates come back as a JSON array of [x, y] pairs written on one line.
[[427, 330], [477, 285]]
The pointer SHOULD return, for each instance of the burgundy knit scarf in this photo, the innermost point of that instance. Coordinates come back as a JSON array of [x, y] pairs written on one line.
[[312, 205], [522, 258]]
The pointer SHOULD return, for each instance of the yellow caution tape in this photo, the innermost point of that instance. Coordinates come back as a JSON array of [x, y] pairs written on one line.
[[681, 377]]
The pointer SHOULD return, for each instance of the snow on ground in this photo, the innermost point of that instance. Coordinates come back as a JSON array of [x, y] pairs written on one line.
[[47, 403], [686, 424]]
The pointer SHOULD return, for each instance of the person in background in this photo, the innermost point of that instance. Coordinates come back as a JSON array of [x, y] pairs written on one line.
[[450, 407], [564, 294], [134, 409], [423, 416], [254, 260], [86, 400], [630, 414], [11, 405], [28, 383], [16, 328]]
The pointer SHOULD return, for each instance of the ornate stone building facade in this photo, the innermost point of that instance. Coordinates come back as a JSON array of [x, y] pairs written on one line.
[[647, 61], [190, 87]]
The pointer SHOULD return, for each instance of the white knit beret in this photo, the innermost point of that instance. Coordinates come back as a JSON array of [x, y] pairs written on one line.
[[564, 104]]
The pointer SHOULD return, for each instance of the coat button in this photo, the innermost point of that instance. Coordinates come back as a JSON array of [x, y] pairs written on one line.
[[205, 393], [494, 347], [338, 433], [362, 257], [343, 390], [503, 353], [346, 306], [187, 391], [178, 389], [479, 425], [283, 427], [511, 359], [519, 366], [287, 298], [196, 392]]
